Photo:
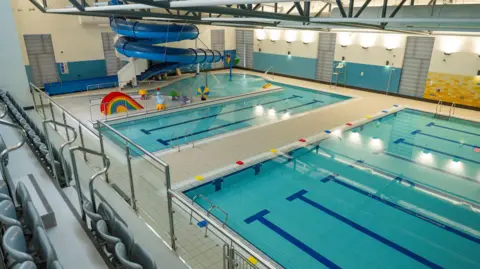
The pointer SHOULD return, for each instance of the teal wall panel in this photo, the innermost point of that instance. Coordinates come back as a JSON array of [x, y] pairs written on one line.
[[375, 77], [78, 70], [284, 64]]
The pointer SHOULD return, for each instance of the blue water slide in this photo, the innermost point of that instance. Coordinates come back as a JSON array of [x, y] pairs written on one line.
[[139, 40]]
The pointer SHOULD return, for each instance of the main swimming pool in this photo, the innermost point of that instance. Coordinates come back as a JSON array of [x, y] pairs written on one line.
[[164, 131], [401, 191]]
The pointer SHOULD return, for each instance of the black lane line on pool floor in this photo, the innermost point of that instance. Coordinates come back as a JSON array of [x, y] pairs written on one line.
[[260, 217], [166, 142], [300, 195], [147, 132], [419, 132], [333, 178], [451, 129]]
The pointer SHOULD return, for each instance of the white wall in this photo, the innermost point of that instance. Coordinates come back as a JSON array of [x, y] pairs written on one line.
[[205, 37], [464, 58], [281, 47], [72, 41], [13, 77], [376, 54]]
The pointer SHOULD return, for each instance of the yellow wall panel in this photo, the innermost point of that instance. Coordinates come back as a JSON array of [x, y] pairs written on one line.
[[451, 88]]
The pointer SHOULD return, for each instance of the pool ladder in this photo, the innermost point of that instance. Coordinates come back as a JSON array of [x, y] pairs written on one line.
[[185, 140], [451, 112], [439, 107], [209, 211]]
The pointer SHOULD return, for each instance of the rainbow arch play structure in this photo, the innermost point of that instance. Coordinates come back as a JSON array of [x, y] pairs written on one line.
[[116, 102]]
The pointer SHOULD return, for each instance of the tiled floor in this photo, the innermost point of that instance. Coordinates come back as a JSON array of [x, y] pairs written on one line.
[[206, 252]]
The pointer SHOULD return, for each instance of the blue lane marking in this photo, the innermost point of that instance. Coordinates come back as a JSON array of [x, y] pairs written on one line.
[[328, 178], [452, 129], [391, 174], [301, 196], [215, 115], [166, 142], [419, 132], [405, 210], [402, 141], [260, 216]]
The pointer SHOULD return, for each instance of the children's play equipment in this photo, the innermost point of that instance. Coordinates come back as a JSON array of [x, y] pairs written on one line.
[[160, 103], [228, 60], [266, 86], [143, 94], [203, 92], [139, 39], [116, 102]]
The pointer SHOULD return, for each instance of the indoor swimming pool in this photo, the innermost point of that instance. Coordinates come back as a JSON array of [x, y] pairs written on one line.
[[401, 191], [165, 131], [219, 85]]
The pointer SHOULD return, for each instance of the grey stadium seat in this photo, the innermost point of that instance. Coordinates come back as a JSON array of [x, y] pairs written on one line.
[[124, 234], [8, 215], [56, 265], [31, 218], [3, 147], [94, 217], [122, 258], [44, 247], [107, 214], [105, 235], [15, 246], [141, 256], [25, 265], [22, 195]]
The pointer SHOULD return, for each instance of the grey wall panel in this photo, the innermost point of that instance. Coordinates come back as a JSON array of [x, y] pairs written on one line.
[[113, 63], [42, 59], [244, 49], [218, 43], [325, 56], [418, 53]]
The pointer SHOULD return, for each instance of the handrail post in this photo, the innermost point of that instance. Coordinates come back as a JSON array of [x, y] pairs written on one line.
[[77, 183], [170, 208], [41, 105], [102, 149], [133, 201], [4, 153], [65, 122], [80, 132], [50, 151], [33, 98], [53, 116]]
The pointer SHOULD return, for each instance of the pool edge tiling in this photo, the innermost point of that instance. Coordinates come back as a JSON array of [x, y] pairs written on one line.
[[183, 187]]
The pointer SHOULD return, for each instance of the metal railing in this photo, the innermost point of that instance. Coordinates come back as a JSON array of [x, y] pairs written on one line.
[[268, 70], [451, 111], [141, 176], [438, 108]]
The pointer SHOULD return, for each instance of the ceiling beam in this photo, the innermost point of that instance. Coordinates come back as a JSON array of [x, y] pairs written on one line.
[[362, 8], [395, 11], [257, 6], [77, 5], [291, 9], [350, 8], [299, 8], [340, 7], [37, 5], [321, 10]]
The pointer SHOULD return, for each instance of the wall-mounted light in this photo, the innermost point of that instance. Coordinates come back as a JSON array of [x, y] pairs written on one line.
[[365, 47], [367, 40], [447, 53], [344, 39], [274, 35], [261, 34], [391, 41], [290, 36], [308, 37], [451, 44]]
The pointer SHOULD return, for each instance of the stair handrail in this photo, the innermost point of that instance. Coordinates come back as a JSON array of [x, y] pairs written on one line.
[[92, 178], [203, 197], [62, 155], [208, 214], [451, 111], [4, 153]]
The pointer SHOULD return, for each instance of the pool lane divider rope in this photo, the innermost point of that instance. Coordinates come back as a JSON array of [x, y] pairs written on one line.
[[337, 179], [260, 217], [451, 129], [147, 132], [402, 141], [300, 195], [167, 142], [419, 132]]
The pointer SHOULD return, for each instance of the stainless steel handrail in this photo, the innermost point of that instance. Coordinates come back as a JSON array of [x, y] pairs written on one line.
[[62, 156], [222, 230], [149, 154], [210, 211], [451, 111], [203, 198], [438, 108], [9, 149], [92, 178]]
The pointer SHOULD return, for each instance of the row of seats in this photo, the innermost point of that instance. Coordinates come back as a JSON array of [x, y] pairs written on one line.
[[25, 243], [117, 240], [36, 138]]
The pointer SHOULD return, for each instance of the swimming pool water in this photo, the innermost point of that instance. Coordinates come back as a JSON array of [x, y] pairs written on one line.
[[218, 84], [164, 131], [349, 204]]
